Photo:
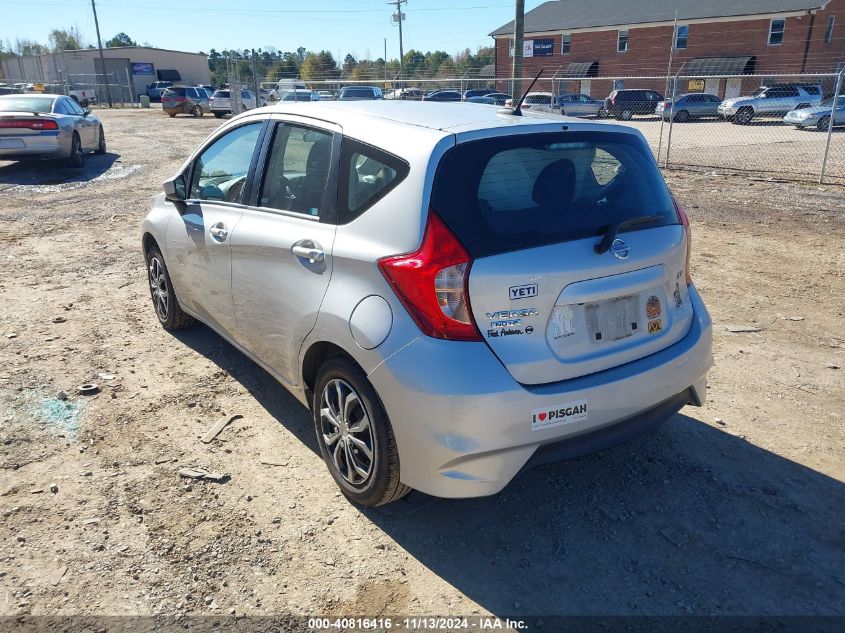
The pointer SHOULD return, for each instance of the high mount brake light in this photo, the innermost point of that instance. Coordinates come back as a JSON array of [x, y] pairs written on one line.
[[685, 222], [431, 283]]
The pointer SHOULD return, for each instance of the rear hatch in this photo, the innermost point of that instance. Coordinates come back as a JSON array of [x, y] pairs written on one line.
[[173, 97], [220, 100], [530, 210]]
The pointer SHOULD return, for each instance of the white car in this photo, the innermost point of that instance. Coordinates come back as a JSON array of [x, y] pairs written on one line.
[[220, 103], [452, 292]]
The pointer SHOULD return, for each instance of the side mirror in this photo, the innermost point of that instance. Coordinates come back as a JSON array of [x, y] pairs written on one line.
[[175, 189], [86, 111]]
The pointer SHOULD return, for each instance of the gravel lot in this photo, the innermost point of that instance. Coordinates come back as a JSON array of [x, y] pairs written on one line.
[[735, 508]]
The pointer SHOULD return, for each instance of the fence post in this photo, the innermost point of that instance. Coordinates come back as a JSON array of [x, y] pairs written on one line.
[[131, 90], [830, 125], [671, 122]]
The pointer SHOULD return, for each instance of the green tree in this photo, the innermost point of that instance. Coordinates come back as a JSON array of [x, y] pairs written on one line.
[[121, 39], [65, 39]]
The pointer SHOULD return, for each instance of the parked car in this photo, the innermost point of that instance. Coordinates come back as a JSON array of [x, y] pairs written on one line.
[[48, 126], [818, 116], [221, 102], [482, 100], [157, 88], [453, 294], [267, 97], [500, 97], [443, 95], [301, 95], [477, 92], [624, 104], [360, 93], [541, 102], [777, 99], [285, 85], [694, 105], [191, 100], [404, 93], [326, 95], [576, 104]]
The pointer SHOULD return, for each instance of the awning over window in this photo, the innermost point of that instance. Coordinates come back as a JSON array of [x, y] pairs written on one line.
[[579, 69], [719, 66]]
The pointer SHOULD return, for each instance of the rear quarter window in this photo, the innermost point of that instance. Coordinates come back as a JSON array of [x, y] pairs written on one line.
[[368, 174], [512, 193]]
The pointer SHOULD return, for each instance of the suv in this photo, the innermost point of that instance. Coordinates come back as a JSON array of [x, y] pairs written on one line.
[[777, 99], [157, 88], [185, 100], [452, 292], [360, 93], [624, 104], [301, 94], [221, 102]]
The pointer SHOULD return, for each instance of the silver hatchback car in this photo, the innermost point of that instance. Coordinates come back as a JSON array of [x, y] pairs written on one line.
[[453, 292]]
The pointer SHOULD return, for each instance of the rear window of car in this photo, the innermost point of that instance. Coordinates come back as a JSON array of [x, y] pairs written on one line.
[[222, 94], [26, 104], [511, 193], [174, 92], [356, 92]]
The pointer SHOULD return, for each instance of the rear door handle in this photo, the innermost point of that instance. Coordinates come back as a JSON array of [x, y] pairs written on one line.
[[310, 250], [219, 232]]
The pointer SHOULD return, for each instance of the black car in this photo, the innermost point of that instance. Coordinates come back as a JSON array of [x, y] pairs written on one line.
[[624, 104], [477, 92], [443, 95]]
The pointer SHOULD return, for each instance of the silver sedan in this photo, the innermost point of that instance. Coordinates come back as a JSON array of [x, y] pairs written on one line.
[[48, 127], [817, 116]]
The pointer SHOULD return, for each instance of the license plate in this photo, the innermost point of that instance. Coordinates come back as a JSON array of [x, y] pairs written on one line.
[[12, 143], [613, 320]]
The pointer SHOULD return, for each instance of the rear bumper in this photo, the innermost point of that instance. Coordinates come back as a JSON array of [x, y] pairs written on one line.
[[463, 425], [35, 146]]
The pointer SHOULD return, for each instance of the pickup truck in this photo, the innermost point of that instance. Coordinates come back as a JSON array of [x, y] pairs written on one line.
[[777, 99]]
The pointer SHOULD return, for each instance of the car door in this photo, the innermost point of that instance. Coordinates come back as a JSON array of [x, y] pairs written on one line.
[[282, 248], [198, 242], [84, 126]]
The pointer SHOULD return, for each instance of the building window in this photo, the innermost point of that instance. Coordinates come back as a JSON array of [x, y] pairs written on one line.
[[776, 29], [682, 36], [828, 34], [566, 41], [510, 47], [622, 42]]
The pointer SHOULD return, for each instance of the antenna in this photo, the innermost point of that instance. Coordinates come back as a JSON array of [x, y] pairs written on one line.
[[517, 111]]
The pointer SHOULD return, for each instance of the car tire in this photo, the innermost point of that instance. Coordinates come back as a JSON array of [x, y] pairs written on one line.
[[101, 145], [345, 402], [165, 303], [75, 159], [196, 111], [682, 116], [172, 115], [744, 116], [824, 124]]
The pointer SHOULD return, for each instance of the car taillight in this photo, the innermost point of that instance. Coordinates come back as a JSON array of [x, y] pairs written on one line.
[[30, 124], [685, 222], [667, 105], [431, 283]]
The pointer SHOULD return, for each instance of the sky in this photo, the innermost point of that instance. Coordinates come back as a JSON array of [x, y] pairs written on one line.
[[339, 26]]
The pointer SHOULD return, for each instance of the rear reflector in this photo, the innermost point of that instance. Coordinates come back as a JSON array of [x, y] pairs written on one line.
[[431, 283], [29, 124], [685, 222]]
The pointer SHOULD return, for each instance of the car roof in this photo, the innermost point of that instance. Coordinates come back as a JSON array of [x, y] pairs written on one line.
[[434, 115]]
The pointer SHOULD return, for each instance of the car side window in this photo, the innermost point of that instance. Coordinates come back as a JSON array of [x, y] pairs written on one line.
[[193, 93], [220, 172], [368, 174], [791, 92], [75, 108], [61, 107], [297, 170]]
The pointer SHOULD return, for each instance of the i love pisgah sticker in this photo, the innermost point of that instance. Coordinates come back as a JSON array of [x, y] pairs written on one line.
[[558, 415]]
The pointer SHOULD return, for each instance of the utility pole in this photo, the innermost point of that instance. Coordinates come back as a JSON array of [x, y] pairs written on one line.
[[102, 57], [398, 17], [518, 36]]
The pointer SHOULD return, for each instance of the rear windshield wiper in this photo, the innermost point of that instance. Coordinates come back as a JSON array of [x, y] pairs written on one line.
[[614, 229]]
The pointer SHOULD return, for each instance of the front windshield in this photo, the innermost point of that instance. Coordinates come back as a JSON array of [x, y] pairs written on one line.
[[758, 92], [840, 102], [26, 104]]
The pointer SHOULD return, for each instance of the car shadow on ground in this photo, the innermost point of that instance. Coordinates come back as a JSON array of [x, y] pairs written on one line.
[[688, 519], [55, 172]]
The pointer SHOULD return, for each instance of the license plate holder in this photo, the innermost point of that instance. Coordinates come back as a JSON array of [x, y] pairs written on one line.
[[613, 319]]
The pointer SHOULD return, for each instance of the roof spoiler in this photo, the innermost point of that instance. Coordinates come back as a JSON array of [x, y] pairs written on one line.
[[517, 111]]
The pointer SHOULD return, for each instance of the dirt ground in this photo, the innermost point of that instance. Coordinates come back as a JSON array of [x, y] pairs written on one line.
[[734, 508]]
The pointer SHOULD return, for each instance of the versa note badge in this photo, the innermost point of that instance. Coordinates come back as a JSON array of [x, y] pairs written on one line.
[[620, 249], [558, 415]]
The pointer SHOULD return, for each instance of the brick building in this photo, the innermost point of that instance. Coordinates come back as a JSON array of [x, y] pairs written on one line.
[[580, 39]]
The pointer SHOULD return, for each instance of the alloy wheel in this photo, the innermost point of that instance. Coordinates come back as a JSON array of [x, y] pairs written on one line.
[[159, 289], [347, 432]]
